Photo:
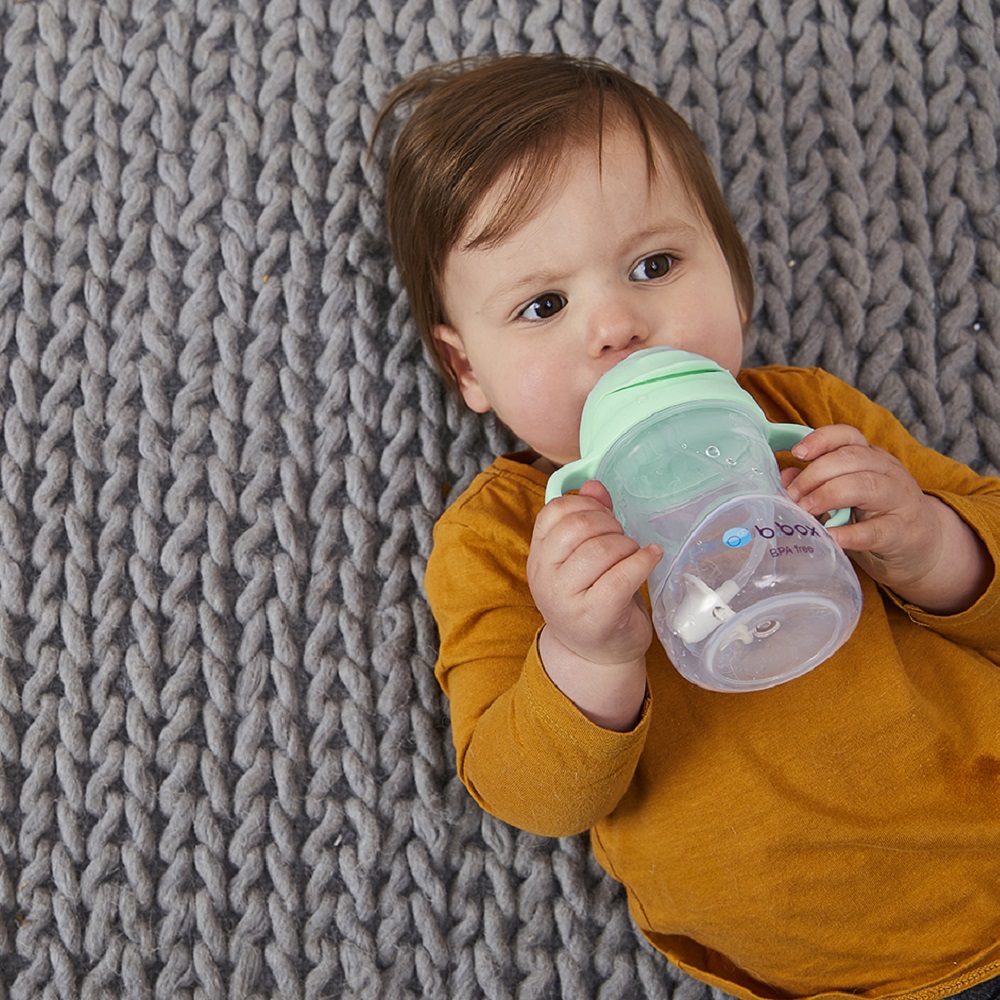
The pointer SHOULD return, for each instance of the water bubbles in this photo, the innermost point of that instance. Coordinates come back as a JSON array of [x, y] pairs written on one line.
[[730, 461], [712, 451]]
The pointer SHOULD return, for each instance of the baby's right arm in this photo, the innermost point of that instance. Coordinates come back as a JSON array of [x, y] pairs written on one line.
[[585, 574], [523, 748]]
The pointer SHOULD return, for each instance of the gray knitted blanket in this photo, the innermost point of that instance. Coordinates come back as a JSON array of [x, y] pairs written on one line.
[[225, 765]]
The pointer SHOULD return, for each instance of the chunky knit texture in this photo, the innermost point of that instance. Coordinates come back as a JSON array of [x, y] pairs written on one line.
[[225, 766]]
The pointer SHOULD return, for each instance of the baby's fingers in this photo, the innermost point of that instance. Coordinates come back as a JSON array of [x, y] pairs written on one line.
[[621, 581], [596, 490], [604, 567], [562, 533], [788, 475], [868, 535], [826, 439], [863, 490]]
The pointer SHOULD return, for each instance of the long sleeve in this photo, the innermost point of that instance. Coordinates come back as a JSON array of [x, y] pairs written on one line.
[[523, 749]]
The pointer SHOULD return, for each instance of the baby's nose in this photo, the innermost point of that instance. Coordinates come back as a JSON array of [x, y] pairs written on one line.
[[615, 327]]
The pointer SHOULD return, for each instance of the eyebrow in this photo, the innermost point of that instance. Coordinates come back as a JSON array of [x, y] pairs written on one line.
[[675, 229]]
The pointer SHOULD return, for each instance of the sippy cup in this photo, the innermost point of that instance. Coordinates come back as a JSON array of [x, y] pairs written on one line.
[[751, 590]]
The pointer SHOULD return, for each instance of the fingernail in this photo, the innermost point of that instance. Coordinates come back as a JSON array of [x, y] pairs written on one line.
[[800, 450]]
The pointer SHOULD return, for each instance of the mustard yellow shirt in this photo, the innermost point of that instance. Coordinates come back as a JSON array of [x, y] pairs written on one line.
[[838, 835]]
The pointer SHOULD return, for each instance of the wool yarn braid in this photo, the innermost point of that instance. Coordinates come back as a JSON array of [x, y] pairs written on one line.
[[225, 766]]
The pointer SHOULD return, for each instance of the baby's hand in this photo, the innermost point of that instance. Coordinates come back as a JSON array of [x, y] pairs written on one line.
[[585, 573], [902, 537]]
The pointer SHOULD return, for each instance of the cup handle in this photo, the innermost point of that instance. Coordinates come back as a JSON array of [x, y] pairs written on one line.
[[781, 437], [569, 477]]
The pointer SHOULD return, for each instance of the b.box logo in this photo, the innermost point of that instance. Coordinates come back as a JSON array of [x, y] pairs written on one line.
[[788, 531]]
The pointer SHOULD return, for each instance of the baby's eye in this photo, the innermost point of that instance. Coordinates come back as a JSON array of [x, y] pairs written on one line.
[[654, 266], [544, 307]]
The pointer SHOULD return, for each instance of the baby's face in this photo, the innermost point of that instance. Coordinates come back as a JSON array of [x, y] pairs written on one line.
[[608, 264]]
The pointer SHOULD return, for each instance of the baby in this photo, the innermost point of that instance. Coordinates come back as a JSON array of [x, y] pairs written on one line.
[[836, 835]]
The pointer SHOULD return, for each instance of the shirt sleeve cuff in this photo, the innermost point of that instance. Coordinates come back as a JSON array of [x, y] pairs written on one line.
[[976, 625]]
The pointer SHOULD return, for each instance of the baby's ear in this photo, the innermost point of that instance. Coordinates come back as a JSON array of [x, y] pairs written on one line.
[[452, 351]]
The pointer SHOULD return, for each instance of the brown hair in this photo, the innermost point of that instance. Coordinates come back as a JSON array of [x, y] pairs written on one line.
[[513, 116]]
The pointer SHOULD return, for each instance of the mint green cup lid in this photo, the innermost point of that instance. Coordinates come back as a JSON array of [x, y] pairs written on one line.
[[650, 381], [644, 383]]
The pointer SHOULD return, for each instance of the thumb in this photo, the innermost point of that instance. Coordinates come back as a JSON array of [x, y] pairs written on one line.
[[596, 491]]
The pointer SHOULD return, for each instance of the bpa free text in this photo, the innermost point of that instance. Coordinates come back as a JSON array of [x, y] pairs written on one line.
[[788, 531]]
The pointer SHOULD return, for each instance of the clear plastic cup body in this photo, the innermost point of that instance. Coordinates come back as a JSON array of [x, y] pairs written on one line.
[[751, 591]]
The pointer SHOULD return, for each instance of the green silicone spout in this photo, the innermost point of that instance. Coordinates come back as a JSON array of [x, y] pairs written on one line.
[[648, 382]]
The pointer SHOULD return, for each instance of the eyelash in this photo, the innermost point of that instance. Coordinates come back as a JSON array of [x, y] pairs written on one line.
[[550, 298], [668, 258], [547, 299]]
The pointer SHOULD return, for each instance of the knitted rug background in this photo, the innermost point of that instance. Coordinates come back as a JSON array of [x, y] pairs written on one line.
[[225, 766]]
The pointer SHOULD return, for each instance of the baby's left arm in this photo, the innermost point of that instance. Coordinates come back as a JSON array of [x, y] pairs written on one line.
[[902, 537]]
